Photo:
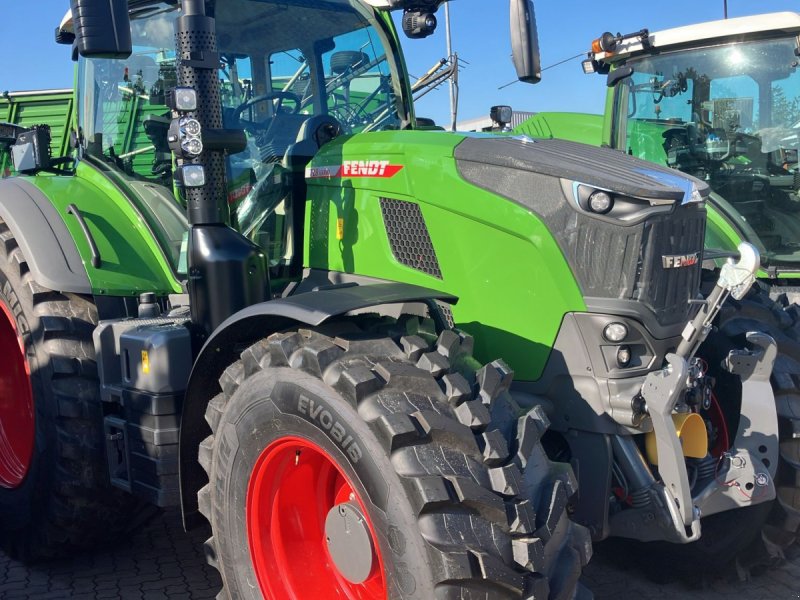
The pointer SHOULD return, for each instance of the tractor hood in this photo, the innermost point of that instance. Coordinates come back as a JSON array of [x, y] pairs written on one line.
[[601, 168], [619, 250]]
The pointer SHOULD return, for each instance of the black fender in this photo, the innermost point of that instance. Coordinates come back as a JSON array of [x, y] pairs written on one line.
[[248, 326], [43, 237]]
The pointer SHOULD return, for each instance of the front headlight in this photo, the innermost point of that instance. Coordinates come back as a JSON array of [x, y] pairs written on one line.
[[600, 202]]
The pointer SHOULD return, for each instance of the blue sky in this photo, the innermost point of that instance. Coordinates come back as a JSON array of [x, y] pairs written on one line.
[[480, 36]]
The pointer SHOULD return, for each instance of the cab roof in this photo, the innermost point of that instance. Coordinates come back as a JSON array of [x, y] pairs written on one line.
[[780, 22]]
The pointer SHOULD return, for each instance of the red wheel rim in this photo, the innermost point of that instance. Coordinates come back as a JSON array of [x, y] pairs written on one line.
[[294, 485], [16, 404]]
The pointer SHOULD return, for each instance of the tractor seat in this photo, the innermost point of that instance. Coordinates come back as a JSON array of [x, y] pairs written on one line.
[[281, 133]]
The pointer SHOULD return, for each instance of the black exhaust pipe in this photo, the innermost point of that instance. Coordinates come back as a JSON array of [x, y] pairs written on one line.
[[227, 272]]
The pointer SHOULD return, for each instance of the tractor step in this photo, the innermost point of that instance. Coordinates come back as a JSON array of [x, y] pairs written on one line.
[[143, 402]]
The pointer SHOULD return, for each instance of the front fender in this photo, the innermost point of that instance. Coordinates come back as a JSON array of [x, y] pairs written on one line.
[[44, 239], [253, 323]]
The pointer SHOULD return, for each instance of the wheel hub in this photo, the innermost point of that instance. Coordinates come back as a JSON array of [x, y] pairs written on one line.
[[16, 404], [349, 542]]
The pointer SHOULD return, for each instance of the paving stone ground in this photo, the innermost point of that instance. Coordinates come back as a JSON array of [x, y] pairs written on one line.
[[609, 577], [157, 563], [162, 562]]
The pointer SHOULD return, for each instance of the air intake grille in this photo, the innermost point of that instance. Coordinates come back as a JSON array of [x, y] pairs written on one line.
[[408, 236], [668, 290]]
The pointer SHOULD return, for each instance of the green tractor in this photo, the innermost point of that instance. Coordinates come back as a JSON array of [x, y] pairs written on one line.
[[256, 289], [721, 101]]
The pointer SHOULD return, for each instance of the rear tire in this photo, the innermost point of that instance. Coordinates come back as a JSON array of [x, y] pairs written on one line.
[[64, 501], [422, 455]]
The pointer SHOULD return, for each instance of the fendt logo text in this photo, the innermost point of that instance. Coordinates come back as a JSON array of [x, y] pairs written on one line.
[[368, 168], [354, 168], [682, 260]]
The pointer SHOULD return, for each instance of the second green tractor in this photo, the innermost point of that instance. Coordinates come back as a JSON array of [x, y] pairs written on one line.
[[721, 101]]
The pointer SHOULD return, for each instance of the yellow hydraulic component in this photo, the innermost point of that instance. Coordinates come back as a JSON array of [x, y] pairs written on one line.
[[692, 433]]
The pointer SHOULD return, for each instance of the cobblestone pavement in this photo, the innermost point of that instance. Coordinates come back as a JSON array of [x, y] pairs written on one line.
[[608, 578], [162, 561], [159, 562]]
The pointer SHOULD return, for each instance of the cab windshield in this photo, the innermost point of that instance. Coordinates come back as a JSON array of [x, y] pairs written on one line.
[[281, 63], [728, 114]]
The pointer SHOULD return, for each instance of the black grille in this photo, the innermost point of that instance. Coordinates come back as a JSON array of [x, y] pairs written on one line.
[[447, 313], [408, 236], [626, 263], [196, 34], [668, 290]]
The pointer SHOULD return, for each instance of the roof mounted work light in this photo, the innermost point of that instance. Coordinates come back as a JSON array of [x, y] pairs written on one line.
[[418, 23]]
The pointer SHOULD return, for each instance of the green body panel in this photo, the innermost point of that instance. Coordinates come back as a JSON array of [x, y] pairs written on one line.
[[576, 127], [643, 143], [132, 261], [513, 307], [53, 108], [719, 233]]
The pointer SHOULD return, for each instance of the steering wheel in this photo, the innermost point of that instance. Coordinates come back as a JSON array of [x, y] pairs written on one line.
[[279, 96]]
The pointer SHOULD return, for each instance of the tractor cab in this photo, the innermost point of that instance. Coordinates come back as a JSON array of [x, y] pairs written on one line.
[[726, 110], [293, 76]]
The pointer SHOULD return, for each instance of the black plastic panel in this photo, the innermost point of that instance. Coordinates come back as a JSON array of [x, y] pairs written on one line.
[[600, 167], [227, 272]]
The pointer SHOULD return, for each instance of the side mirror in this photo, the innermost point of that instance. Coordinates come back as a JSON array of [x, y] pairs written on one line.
[[102, 28], [525, 41]]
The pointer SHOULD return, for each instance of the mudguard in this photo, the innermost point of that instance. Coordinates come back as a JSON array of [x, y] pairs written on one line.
[[254, 323], [43, 237]]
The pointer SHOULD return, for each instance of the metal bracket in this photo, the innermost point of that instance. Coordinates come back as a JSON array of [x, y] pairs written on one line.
[[661, 391], [117, 452], [747, 472], [738, 277], [654, 515], [660, 520], [202, 59]]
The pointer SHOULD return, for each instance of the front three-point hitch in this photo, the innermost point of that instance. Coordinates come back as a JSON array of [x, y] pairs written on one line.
[[670, 506]]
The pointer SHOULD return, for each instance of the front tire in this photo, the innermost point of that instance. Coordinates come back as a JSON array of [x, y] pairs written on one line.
[[390, 430], [757, 312]]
